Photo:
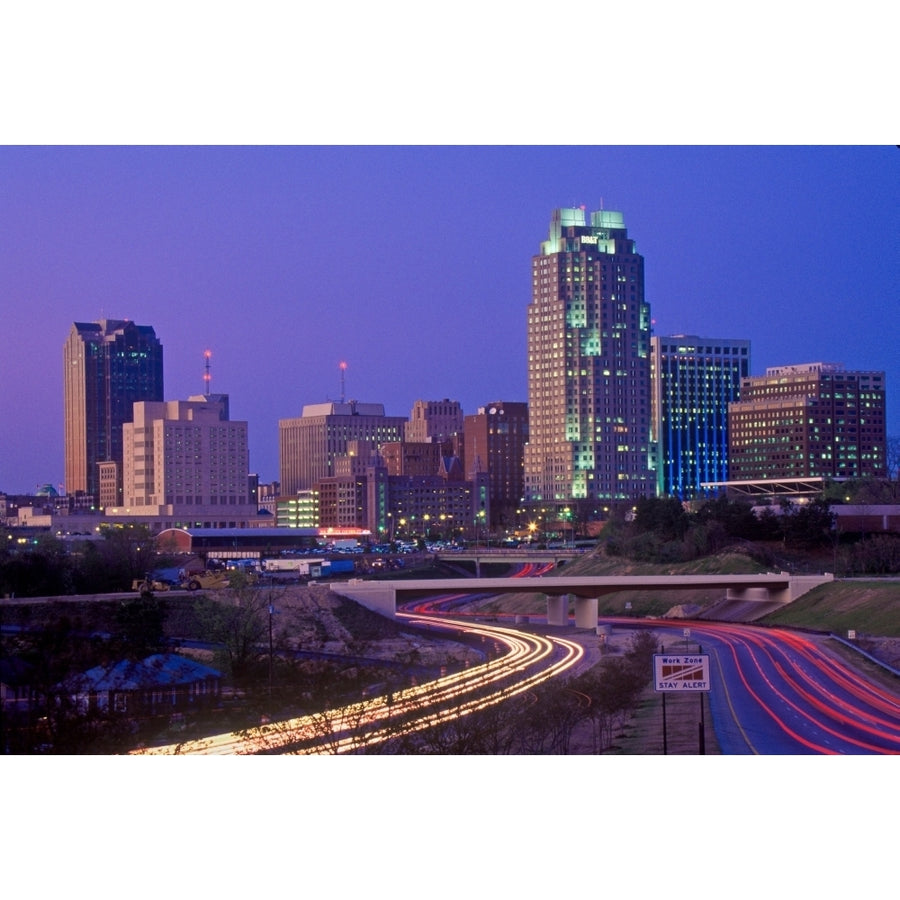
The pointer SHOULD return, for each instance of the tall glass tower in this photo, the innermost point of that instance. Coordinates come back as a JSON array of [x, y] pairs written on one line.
[[588, 364], [694, 380], [108, 366]]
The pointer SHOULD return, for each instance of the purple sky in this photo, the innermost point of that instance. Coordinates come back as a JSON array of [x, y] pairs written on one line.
[[412, 264]]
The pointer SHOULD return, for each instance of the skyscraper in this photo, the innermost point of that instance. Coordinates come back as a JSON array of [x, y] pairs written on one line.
[[108, 366], [694, 380], [588, 364]]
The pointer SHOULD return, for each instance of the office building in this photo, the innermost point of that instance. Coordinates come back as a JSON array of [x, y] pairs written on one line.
[[298, 511], [588, 365], [809, 421], [435, 421], [694, 379], [185, 462], [412, 458], [309, 445], [342, 497], [108, 366], [443, 506], [495, 439]]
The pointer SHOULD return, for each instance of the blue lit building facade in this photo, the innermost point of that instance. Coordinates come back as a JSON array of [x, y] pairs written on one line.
[[694, 380]]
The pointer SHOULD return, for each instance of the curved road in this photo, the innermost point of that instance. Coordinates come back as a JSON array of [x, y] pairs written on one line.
[[776, 691], [529, 660]]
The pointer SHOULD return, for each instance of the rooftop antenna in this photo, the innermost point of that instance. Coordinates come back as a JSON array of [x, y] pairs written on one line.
[[206, 376], [343, 368]]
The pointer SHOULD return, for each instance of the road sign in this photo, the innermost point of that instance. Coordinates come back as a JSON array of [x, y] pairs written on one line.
[[689, 672]]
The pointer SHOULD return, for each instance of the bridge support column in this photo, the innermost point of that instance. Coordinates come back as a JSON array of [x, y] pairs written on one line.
[[558, 609], [586, 610]]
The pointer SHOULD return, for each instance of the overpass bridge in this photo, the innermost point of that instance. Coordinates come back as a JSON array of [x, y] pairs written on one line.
[[382, 596], [486, 555]]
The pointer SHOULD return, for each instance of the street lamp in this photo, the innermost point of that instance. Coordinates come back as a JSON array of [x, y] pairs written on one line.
[[567, 518], [479, 523]]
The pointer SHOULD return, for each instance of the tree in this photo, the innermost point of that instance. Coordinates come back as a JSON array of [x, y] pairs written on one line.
[[239, 618], [809, 525], [113, 563], [892, 458], [140, 625], [41, 569], [665, 517]]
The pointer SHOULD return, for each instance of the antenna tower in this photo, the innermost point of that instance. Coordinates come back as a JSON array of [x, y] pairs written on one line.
[[343, 367], [206, 376]]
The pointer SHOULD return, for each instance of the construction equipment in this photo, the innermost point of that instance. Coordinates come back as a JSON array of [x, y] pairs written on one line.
[[208, 581], [149, 585]]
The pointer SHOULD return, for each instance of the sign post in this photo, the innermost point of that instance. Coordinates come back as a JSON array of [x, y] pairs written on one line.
[[677, 673]]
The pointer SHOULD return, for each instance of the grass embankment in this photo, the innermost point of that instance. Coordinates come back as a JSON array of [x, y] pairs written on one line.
[[868, 607]]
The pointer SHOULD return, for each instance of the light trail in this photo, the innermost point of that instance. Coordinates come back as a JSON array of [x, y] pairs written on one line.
[[530, 659], [800, 698]]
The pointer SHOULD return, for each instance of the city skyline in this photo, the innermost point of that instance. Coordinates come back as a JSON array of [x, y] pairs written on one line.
[[412, 265]]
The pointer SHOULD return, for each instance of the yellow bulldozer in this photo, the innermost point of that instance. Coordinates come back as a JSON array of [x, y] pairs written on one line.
[[194, 581], [206, 581]]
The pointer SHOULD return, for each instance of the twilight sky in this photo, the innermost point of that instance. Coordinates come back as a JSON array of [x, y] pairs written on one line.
[[412, 264]]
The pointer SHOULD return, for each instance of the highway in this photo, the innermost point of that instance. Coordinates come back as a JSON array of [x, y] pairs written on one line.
[[773, 691], [527, 661], [777, 692]]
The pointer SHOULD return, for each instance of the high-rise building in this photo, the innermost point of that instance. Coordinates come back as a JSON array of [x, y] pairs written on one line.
[[434, 421], [309, 445], [495, 439], [694, 379], [588, 365], [108, 366], [186, 461], [411, 458], [815, 420]]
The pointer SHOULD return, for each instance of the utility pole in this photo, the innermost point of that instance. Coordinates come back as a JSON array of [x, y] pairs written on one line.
[[271, 647]]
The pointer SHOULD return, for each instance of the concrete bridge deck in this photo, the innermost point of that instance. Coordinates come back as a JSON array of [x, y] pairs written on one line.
[[382, 596]]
